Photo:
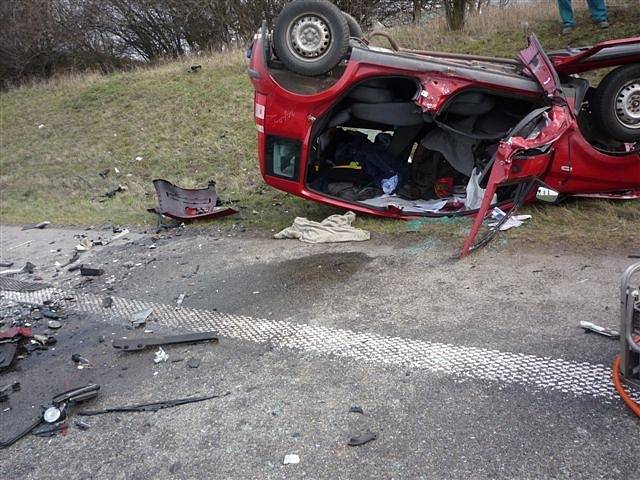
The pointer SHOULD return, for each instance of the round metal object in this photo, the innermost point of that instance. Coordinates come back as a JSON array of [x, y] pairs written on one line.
[[52, 414], [628, 105], [54, 324], [309, 36]]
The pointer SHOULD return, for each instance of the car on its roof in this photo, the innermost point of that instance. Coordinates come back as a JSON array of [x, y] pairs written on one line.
[[404, 133]]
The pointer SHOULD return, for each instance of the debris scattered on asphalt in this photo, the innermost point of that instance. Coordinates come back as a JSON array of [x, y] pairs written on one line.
[[139, 319], [80, 425], [91, 272], [291, 459], [120, 234], [161, 356], [81, 361], [606, 332], [187, 203], [7, 354], [45, 339], [151, 407], [181, 298], [50, 430], [336, 228], [193, 363], [361, 439], [133, 344], [5, 390], [5, 264], [46, 312], [73, 259], [107, 302], [56, 410], [39, 226], [356, 409], [84, 245], [54, 324], [27, 268]]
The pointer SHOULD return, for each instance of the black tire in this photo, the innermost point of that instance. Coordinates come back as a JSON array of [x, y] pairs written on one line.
[[354, 26], [327, 20], [619, 88]]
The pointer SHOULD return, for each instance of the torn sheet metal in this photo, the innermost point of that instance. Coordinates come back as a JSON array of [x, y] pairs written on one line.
[[189, 204]]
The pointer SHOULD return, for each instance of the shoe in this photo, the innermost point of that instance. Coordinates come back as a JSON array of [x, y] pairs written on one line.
[[567, 30], [604, 24]]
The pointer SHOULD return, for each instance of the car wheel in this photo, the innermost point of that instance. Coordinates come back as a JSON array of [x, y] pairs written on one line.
[[354, 26], [616, 104], [311, 36]]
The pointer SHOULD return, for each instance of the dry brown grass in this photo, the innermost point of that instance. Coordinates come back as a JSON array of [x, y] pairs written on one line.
[[502, 31]]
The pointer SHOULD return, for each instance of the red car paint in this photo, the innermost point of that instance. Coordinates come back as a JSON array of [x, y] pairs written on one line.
[[571, 165]]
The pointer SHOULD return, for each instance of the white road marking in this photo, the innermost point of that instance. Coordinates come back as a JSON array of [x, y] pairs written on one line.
[[539, 373]]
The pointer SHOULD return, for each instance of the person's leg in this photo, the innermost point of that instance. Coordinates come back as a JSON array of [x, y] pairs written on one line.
[[566, 13], [598, 9]]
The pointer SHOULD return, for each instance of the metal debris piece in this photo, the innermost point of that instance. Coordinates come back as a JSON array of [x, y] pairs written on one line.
[[54, 324], [140, 318], [361, 439], [7, 354], [50, 314], [80, 425], [84, 245], [50, 430], [291, 459], [180, 300], [606, 332], [5, 264], [114, 191], [119, 234], [187, 203], [28, 268], [73, 259], [5, 390], [56, 410], [133, 344], [39, 226], [45, 339], [81, 361], [161, 356], [151, 407], [356, 409], [91, 272], [193, 363]]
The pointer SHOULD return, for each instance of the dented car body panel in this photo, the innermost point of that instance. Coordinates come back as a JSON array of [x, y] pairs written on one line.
[[555, 154]]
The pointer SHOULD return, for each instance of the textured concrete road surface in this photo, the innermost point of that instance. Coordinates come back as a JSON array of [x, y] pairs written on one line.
[[466, 369]]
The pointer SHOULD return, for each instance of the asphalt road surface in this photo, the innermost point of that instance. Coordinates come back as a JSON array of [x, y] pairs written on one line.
[[464, 369]]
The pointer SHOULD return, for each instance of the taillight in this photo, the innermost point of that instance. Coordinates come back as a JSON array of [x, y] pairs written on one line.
[[260, 103]]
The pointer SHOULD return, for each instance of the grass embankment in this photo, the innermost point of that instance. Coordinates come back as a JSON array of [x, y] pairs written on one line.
[[166, 122]]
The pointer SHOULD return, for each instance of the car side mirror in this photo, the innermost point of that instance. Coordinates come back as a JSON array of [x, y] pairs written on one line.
[[547, 195]]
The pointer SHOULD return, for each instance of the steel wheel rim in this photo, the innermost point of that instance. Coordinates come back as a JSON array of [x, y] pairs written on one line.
[[628, 105], [309, 37]]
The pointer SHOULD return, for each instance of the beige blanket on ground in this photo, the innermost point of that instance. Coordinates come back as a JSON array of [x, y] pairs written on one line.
[[336, 228]]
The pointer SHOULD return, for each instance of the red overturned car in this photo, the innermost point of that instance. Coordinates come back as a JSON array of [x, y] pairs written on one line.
[[405, 133]]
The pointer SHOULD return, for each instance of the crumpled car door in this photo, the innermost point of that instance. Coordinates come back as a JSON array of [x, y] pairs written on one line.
[[525, 155]]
